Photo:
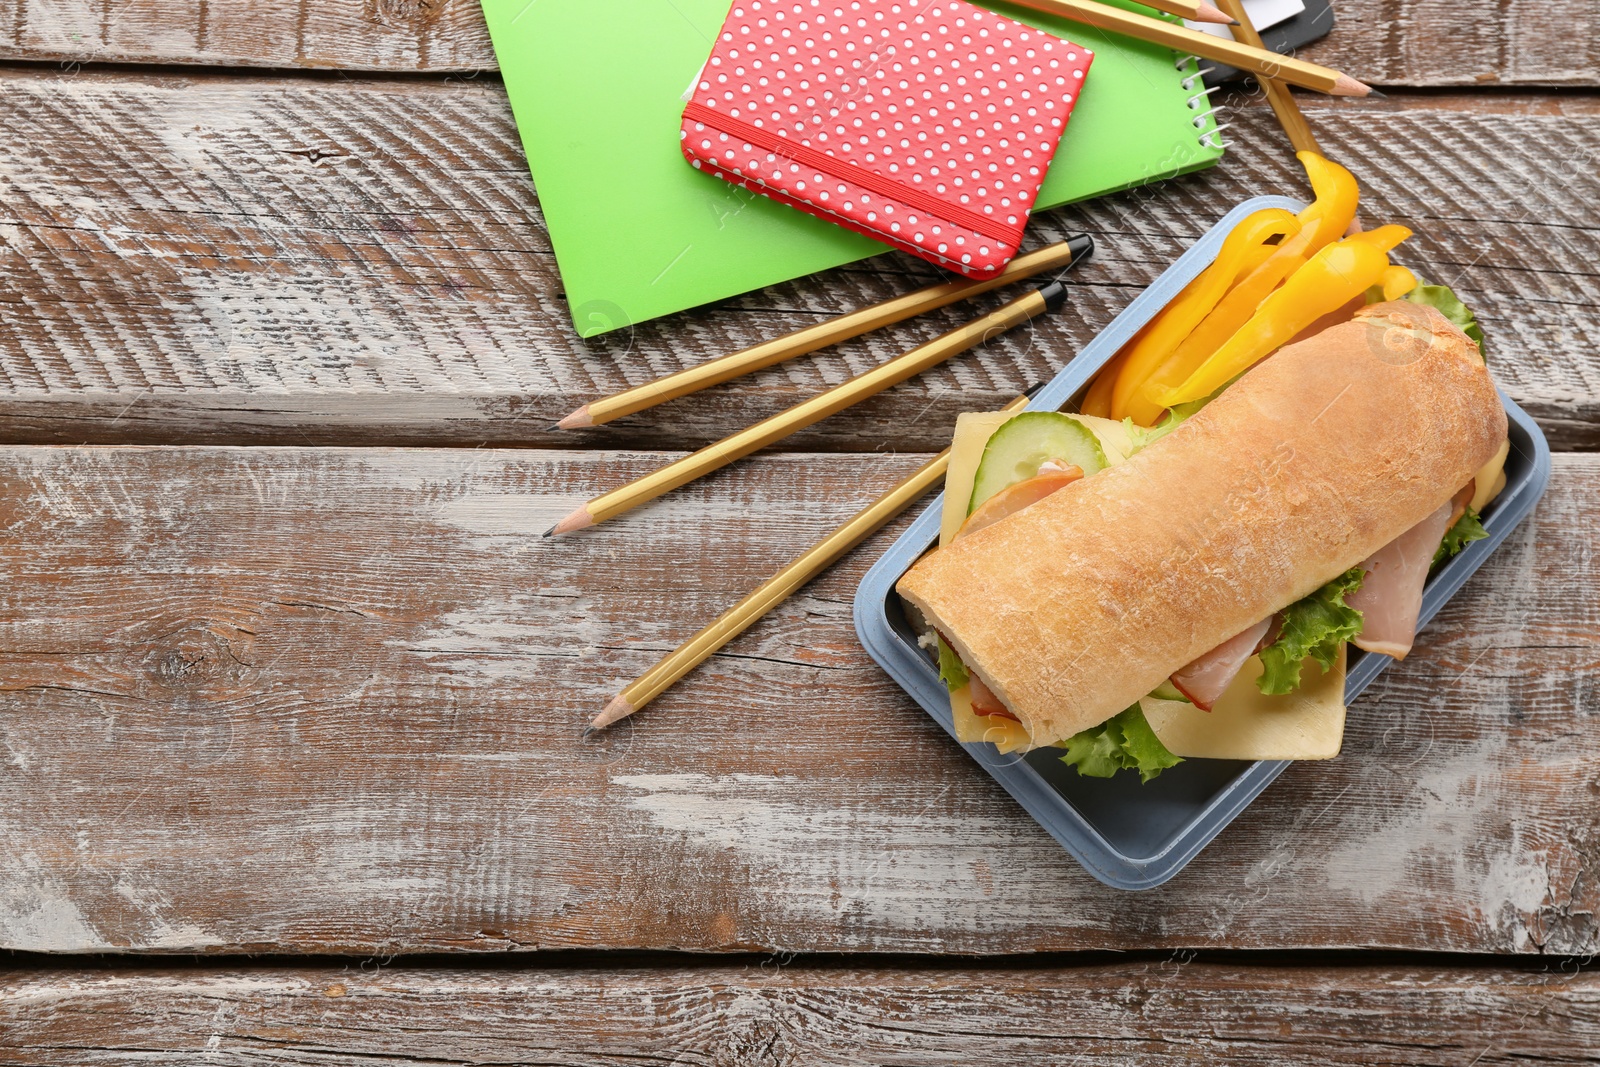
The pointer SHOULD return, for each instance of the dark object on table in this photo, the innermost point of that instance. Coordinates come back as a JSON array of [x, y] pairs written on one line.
[[1312, 24]]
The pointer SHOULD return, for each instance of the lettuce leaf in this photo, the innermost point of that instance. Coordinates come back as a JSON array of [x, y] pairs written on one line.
[[1140, 743], [1466, 530], [1175, 417], [1123, 742], [1313, 626], [1445, 301], [952, 672], [1097, 751]]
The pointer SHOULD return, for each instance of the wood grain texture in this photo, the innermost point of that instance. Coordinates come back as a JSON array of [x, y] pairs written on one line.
[[388, 35], [1168, 1012], [230, 261], [324, 700], [1382, 42]]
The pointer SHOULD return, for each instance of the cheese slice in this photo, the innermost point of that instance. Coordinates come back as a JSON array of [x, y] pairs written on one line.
[[1247, 724], [973, 430], [1491, 479], [1116, 440], [1007, 735]]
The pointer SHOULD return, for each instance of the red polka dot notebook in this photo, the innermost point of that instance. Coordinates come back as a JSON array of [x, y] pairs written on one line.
[[927, 124]]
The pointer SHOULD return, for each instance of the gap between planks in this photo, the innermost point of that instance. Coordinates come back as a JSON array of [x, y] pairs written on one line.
[[1383, 42]]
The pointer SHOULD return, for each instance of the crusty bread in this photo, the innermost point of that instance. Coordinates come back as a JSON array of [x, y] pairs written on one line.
[[1078, 606]]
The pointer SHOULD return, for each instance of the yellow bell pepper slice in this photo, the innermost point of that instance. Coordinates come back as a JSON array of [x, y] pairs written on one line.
[[1334, 205], [1384, 238], [1243, 250], [1321, 223], [1097, 401], [1397, 282], [1330, 279]]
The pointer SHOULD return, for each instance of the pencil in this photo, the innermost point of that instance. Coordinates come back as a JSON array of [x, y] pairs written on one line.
[[1055, 257], [775, 590], [1047, 297], [1193, 10], [1290, 117], [1258, 61]]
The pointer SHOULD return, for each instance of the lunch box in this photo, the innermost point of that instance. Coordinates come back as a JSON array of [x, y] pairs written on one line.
[[1127, 834]]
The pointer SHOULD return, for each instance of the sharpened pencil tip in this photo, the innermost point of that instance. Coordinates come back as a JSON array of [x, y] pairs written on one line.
[[577, 420], [614, 712], [589, 733], [548, 532], [1374, 92], [578, 520], [1205, 12], [554, 426], [1345, 85]]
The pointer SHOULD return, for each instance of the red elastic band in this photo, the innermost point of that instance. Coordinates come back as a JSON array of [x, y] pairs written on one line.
[[849, 171]]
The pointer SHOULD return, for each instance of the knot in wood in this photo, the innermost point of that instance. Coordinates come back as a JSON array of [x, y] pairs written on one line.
[[196, 661], [415, 14]]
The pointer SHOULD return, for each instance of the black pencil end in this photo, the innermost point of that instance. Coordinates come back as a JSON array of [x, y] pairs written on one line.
[[1082, 246], [1055, 294]]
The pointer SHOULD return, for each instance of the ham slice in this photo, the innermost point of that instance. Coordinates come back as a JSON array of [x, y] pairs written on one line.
[[1012, 499], [1462, 501], [1207, 678], [984, 702], [1390, 596]]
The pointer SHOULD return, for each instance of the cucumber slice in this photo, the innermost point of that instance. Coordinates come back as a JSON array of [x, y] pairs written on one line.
[[1016, 450]]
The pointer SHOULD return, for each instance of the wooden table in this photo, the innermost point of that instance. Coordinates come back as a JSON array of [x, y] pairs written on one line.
[[292, 766]]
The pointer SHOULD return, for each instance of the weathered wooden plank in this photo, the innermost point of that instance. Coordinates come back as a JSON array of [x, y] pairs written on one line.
[[1169, 1012], [325, 262], [1385, 42], [308, 700]]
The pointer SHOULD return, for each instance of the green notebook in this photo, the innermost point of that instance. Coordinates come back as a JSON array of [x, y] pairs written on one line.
[[598, 89]]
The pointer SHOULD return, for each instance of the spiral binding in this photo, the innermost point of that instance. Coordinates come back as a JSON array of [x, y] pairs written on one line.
[[1210, 138]]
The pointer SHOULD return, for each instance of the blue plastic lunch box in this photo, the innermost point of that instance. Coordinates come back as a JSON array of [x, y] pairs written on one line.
[[1130, 835]]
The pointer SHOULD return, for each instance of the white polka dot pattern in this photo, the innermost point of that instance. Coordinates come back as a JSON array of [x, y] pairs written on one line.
[[928, 124]]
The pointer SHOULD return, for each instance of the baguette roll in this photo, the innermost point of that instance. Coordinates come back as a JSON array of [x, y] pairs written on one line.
[[1073, 609]]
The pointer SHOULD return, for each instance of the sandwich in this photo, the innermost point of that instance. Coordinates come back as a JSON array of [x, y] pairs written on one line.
[[1139, 595]]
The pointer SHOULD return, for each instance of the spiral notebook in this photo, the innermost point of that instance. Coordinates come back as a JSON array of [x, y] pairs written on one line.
[[598, 89]]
